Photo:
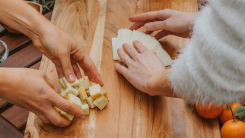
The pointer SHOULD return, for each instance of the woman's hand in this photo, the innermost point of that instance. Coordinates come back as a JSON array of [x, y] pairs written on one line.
[[33, 90], [62, 49], [170, 22], [144, 70]]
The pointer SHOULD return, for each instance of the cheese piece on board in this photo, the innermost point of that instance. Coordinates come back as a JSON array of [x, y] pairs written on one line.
[[84, 102], [156, 47], [82, 94], [147, 38], [74, 100], [135, 36], [104, 93], [164, 57], [90, 102], [72, 84], [150, 45], [64, 114], [93, 83], [101, 102], [119, 39], [69, 90], [88, 92], [62, 83], [114, 48], [95, 91], [85, 109], [126, 36], [85, 82]]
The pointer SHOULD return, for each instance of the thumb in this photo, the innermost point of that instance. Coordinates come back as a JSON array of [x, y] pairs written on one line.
[[157, 25], [67, 67]]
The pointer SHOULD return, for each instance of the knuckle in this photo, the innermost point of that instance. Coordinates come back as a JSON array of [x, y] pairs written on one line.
[[67, 107]]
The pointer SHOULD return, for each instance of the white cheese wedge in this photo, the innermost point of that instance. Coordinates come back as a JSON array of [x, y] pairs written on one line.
[[82, 94], [126, 36], [69, 90], [85, 109], [135, 36], [114, 47], [156, 47], [90, 102], [85, 83], [147, 38], [95, 91], [164, 57], [62, 83], [72, 84], [150, 45], [101, 102], [64, 114], [74, 100]]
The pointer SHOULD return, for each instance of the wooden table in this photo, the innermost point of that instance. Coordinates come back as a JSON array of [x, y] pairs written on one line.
[[23, 54]]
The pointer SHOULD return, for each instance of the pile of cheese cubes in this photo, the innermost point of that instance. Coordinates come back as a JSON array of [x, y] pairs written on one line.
[[90, 95], [128, 36]]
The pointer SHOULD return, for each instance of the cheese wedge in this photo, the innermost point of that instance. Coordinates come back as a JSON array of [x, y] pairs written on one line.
[[62, 83], [69, 90], [74, 100], [64, 114], [72, 84], [101, 102], [85, 83], [90, 102], [104, 93], [95, 91], [82, 94], [164, 57], [85, 109]]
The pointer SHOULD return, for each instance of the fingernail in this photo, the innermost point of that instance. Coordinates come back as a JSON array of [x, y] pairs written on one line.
[[71, 77], [81, 117], [147, 26]]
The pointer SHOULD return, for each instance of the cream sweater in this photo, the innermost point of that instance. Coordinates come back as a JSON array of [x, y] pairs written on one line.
[[211, 68]]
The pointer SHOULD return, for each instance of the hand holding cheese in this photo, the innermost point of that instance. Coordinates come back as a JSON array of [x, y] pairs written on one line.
[[34, 91], [169, 21], [144, 70]]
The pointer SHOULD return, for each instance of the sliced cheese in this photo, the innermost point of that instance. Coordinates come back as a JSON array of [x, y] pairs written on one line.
[[156, 47], [101, 102], [135, 36], [147, 38], [72, 84], [64, 114], [85, 109], [119, 42], [74, 100], [90, 102], [62, 83], [104, 93], [150, 45], [82, 94], [95, 91], [69, 90], [85, 83], [164, 57], [114, 47]]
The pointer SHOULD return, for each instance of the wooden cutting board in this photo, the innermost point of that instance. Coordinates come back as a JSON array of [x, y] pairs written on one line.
[[130, 112]]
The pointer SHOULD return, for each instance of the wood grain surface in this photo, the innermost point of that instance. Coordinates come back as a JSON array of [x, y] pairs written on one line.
[[130, 112]]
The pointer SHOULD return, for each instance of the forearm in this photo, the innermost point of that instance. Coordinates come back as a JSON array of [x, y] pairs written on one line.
[[20, 16], [160, 85], [4, 80]]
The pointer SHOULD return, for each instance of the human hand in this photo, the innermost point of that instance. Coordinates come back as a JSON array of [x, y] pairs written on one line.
[[33, 90], [144, 70], [170, 22]]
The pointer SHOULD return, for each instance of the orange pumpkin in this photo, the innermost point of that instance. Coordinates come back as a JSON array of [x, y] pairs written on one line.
[[233, 129], [226, 112], [207, 111]]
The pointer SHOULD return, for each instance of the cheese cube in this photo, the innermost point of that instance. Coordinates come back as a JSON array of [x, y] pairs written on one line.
[[69, 90], [84, 102], [82, 94], [74, 100], [62, 83], [84, 82], [104, 93], [72, 84], [85, 109], [88, 92], [90, 102], [101, 102], [64, 114], [95, 91], [93, 83]]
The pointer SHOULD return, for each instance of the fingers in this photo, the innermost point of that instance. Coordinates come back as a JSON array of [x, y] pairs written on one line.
[[67, 68], [137, 25], [66, 106], [43, 118], [77, 71], [151, 16], [122, 70], [131, 51], [88, 66], [162, 34], [139, 46], [124, 57], [148, 32], [60, 71], [157, 25]]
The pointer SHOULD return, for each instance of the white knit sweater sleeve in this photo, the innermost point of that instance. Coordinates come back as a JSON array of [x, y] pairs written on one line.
[[211, 68]]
